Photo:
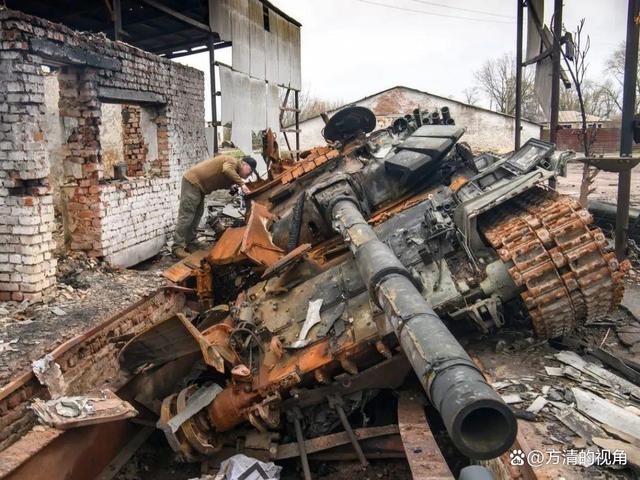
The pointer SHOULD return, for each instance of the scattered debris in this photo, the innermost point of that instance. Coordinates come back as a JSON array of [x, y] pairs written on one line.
[[312, 319], [48, 373], [512, 398], [241, 467], [30, 330], [629, 335], [9, 346], [77, 411], [579, 424], [601, 375], [632, 452], [606, 412], [537, 405], [58, 311], [554, 371]]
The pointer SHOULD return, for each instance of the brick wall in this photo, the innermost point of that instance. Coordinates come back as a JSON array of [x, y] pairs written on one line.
[[607, 139], [135, 148], [122, 221]]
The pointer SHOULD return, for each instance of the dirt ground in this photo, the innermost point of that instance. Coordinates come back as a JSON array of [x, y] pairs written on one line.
[[606, 184], [87, 292]]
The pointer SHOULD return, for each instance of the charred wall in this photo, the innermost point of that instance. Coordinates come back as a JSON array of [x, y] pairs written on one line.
[[123, 221]]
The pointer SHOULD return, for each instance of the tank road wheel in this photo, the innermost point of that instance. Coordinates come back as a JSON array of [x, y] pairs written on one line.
[[194, 429], [562, 264], [167, 412]]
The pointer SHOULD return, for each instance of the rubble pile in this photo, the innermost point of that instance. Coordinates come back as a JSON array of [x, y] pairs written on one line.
[[87, 291]]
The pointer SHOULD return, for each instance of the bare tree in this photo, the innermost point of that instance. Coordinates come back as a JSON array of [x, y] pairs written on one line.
[[471, 95], [596, 97], [577, 68], [497, 80], [612, 87], [310, 106]]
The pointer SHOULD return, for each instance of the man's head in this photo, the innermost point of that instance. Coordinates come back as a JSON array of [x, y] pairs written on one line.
[[248, 166]]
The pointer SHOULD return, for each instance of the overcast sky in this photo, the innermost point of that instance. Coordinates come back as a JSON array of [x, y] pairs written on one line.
[[353, 48]]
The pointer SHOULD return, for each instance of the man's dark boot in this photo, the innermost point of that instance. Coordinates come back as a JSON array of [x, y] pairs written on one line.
[[180, 252]]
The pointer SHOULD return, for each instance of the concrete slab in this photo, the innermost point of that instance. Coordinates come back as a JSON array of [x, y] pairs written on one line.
[[135, 254], [631, 299]]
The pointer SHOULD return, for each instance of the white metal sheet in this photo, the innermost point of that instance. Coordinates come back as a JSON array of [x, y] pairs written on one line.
[[284, 52], [534, 41], [296, 70], [240, 48], [542, 85], [241, 130], [258, 104], [226, 94], [222, 19], [273, 107], [256, 34], [271, 49]]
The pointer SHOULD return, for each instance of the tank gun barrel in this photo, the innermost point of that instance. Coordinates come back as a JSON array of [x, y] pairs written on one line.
[[480, 424]]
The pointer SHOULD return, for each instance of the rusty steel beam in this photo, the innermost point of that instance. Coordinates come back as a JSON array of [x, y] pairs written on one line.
[[76, 454], [319, 444], [423, 454], [518, 113]]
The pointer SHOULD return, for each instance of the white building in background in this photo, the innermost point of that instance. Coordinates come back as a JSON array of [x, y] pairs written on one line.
[[486, 130], [573, 119]]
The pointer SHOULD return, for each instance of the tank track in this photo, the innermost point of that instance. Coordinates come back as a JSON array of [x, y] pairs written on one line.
[[561, 263]]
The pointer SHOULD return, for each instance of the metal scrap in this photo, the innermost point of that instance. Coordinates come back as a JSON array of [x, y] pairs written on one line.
[[49, 374], [77, 411], [312, 319], [578, 423], [607, 413], [600, 374]]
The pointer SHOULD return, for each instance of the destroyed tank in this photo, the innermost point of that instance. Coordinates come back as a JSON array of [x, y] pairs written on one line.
[[356, 266]]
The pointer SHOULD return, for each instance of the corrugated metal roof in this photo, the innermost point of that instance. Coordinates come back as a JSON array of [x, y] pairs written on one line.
[[145, 26], [573, 116]]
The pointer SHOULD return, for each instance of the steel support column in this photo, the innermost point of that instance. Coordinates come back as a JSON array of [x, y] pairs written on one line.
[[555, 77], [626, 129], [117, 20], [518, 111], [212, 74], [297, 117]]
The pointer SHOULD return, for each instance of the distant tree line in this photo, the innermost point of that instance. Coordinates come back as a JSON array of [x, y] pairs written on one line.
[[495, 84]]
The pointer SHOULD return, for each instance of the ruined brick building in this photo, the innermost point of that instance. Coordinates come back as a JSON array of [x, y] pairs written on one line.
[[109, 108]]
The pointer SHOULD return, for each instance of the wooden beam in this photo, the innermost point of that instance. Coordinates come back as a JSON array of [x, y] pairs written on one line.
[[177, 15]]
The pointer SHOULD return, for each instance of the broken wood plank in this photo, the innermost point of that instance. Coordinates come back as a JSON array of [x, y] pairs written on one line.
[[423, 454], [607, 413], [602, 375]]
